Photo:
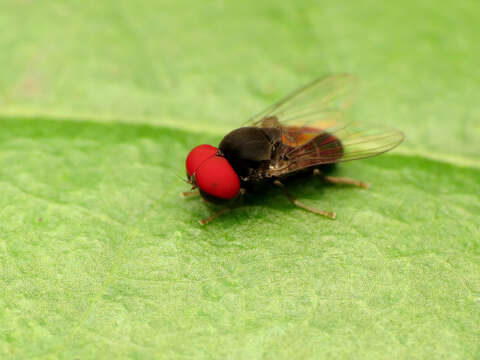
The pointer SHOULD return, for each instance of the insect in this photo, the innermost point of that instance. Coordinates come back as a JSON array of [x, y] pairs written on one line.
[[304, 133]]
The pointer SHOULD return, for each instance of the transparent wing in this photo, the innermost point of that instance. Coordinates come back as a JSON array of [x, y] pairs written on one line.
[[324, 99], [338, 143], [314, 130]]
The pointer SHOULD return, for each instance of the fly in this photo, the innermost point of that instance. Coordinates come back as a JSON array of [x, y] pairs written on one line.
[[304, 133]]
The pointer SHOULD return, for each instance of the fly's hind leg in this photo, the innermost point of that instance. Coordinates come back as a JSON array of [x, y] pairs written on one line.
[[295, 202], [341, 180]]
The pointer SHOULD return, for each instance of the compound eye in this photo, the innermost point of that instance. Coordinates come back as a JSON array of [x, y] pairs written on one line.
[[217, 178], [197, 156]]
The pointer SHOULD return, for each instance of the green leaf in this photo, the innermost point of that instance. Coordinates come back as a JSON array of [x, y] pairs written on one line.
[[101, 258]]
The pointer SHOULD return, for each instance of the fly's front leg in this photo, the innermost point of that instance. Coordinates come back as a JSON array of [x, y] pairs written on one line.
[[224, 210], [185, 194], [295, 202], [341, 180]]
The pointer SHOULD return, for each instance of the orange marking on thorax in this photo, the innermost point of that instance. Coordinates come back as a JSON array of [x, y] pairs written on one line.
[[295, 136]]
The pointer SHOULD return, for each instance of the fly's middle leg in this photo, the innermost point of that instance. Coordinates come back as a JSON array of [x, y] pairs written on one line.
[[225, 210], [295, 202], [214, 216]]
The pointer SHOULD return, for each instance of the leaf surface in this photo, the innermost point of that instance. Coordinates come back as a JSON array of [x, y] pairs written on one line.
[[101, 258]]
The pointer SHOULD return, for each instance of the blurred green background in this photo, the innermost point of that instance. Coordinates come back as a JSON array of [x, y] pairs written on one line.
[[99, 258]]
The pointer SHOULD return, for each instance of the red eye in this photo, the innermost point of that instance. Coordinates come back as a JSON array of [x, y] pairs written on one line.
[[197, 156], [217, 178]]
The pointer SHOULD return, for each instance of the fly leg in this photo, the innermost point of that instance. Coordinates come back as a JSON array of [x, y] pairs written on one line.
[[295, 202], [342, 180], [214, 216], [189, 193], [223, 211]]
